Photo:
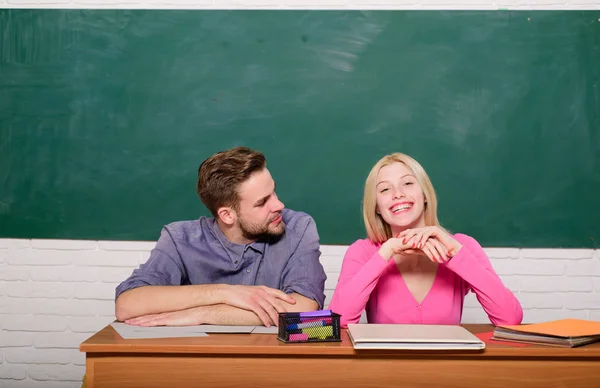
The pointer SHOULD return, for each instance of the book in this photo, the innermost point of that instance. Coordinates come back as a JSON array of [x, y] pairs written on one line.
[[563, 333], [412, 337]]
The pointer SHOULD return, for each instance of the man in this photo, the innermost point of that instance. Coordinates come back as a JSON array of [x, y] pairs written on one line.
[[251, 261]]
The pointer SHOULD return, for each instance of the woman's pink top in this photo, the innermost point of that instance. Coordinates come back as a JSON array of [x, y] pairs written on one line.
[[368, 281]]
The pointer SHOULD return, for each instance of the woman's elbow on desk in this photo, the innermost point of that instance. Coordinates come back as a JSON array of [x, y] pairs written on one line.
[[516, 318], [512, 317], [345, 318], [344, 322]]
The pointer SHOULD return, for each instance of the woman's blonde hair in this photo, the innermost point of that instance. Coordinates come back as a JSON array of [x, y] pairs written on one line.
[[378, 230]]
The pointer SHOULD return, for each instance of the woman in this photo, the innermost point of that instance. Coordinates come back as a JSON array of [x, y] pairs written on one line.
[[410, 270]]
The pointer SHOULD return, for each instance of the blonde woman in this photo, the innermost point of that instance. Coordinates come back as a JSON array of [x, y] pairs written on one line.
[[411, 270]]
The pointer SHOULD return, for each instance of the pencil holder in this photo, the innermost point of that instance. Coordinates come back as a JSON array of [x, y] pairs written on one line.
[[313, 326]]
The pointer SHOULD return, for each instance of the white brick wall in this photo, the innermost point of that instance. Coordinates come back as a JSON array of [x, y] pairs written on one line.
[[56, 293]]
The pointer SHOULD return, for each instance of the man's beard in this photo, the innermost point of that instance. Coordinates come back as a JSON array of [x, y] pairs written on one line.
[[258, 232]]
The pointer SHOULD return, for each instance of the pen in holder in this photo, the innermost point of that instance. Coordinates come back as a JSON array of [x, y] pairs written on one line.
[[312, 326]]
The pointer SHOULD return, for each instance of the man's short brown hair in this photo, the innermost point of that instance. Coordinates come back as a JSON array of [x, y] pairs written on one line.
[[220, 176]]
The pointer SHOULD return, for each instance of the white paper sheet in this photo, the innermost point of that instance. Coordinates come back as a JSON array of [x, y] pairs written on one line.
[[265, 330], [130, 332]]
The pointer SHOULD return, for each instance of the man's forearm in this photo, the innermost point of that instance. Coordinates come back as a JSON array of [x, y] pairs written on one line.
[[303, 304], [223, 314], [159, 299], [149, 300]]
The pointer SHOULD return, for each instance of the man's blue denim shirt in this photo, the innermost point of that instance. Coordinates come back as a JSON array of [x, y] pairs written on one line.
[[197, 252]]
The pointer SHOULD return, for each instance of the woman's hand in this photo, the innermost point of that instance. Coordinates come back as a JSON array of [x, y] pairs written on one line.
[[440, 243], [432, 248], [435, 251], [394, 246]]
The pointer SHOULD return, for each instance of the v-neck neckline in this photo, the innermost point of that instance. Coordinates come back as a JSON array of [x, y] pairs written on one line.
[[407, 290]]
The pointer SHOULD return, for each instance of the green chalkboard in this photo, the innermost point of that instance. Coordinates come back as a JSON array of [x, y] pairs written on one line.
[[105, 116]]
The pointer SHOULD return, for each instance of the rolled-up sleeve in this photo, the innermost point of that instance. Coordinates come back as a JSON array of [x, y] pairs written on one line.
[[163, 268], [304, 273]]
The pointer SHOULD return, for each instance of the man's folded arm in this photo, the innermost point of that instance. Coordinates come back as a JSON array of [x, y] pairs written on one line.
[[148, 299], [302, 304], [224, 314], [156, 286]]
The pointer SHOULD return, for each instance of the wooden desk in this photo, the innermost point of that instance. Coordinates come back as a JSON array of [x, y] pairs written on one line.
[[260, 360]]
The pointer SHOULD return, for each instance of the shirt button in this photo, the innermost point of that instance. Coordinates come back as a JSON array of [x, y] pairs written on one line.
[[235, 262], [248, 270]]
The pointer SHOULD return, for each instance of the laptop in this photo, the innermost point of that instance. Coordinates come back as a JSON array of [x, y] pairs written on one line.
[[412, 337]]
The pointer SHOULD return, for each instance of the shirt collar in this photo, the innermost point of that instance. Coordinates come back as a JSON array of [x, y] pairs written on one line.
[[239, 249]]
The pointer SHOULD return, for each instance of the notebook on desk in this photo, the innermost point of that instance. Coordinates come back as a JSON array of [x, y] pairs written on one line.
[[412, 337], [563, 333]]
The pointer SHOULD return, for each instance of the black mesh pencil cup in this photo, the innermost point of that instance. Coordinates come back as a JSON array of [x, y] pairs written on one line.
[[313, 326]]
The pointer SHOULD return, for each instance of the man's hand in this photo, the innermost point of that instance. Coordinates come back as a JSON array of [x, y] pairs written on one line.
[[189, 317], [263, 301]]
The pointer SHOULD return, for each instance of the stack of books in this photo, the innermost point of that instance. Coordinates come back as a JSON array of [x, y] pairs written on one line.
[[564, 333]]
